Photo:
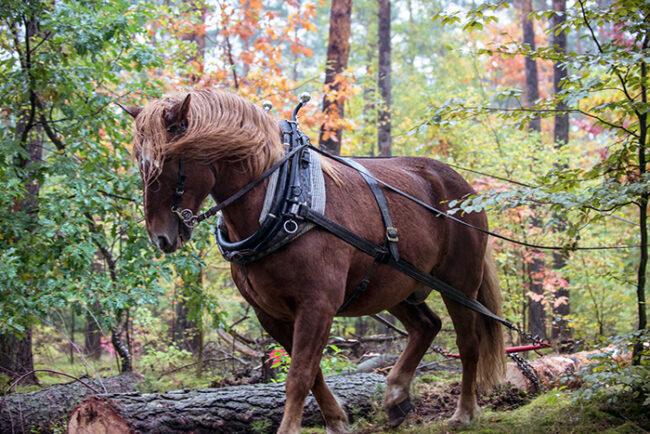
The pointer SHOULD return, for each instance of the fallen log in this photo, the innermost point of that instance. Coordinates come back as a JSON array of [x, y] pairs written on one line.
[[47, 409], [556, 370], [236, 409]]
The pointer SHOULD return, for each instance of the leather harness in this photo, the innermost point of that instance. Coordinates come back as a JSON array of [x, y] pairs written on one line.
[[290, 214]]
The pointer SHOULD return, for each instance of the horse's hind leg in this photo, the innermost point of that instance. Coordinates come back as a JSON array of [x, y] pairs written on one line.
[[468, 345], [422, 325], [334, 416]]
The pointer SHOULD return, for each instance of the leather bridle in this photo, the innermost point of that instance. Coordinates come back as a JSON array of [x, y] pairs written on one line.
[[189, 219]]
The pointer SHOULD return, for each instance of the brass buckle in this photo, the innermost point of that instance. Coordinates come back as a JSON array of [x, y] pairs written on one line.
[[391, 234]]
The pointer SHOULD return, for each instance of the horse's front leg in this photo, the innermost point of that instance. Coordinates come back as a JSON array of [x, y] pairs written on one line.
[[335, 418], [311, 330]]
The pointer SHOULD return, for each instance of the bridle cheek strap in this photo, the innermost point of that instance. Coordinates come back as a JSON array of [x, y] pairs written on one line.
[[186, 215]]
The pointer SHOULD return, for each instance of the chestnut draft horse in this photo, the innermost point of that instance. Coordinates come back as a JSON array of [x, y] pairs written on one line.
[[225, 142]]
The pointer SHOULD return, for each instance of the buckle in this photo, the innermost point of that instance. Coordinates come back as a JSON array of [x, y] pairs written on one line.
[[391, 234]]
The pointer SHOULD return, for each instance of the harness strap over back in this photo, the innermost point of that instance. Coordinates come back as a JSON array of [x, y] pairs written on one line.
[[391, 231]]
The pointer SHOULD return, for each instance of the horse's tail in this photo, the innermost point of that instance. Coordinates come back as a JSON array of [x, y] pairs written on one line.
[[491, 362]]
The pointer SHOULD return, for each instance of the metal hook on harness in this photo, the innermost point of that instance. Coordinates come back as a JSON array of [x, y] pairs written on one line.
[[304, 99]]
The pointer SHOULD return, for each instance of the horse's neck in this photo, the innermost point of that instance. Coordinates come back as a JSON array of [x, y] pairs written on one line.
[[242, 216]]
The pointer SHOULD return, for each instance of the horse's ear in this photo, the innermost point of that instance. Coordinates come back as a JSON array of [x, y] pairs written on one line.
[[134, 111], [178, 112]]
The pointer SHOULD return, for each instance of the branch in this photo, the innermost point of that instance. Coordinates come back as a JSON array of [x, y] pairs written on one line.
[[108, 256], [180, 368], [45, 38], [53, 138], [51, 372], [116, 196], [600, 49], [382, 320], [552, 110]]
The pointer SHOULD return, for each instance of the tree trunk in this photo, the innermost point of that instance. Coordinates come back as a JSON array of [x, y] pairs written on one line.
[[536, 318], [185, 331], [369, 98], [643, 214], [43, 410], [16, 357], [560, 326], [531, 93], [236, 409], [92, 340], [338, 50], [122, 350], [556, 370], [383, 80]]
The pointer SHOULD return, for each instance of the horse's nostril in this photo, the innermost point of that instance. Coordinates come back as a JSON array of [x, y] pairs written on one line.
[[163, 243]]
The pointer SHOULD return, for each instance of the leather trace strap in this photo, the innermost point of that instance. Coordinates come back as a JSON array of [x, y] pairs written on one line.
[[405, 267]]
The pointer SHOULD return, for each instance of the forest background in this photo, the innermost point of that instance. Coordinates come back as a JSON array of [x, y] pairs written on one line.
[[541, 104]]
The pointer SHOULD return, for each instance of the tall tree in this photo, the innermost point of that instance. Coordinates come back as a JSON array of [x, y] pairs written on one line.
[[561, 308], [384, 80], [16, 358], [65, 159], [536, 317], [338, 51]]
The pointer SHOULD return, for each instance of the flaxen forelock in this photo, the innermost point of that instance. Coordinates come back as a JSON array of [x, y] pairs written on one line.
[[221, 125]]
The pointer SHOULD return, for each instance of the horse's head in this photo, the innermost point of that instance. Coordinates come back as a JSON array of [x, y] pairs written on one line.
[[169, 180]]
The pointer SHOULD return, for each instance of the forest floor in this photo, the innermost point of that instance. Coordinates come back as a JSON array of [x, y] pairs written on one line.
[[504, 410], [508, 410], [435, 393]]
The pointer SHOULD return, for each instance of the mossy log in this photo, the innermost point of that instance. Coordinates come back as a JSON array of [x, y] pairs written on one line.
[[47, 409], [235, 409]]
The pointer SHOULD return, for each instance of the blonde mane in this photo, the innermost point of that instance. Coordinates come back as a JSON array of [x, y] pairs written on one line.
[[221, 125]]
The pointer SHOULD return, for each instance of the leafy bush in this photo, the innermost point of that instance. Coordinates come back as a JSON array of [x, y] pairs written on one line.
[[334, 361], [613, 377]]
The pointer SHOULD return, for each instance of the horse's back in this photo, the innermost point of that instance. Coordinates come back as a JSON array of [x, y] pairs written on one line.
[[431, 242]]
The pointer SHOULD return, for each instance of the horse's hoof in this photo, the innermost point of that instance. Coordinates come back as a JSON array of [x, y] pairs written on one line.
[[398, 412], [339, 427], [455, 423]]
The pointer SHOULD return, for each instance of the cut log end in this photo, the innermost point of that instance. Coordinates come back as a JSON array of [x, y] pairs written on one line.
[[97, 416]]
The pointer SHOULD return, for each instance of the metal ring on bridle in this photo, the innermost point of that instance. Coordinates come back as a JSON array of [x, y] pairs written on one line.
[[290, 226], [187, 216]]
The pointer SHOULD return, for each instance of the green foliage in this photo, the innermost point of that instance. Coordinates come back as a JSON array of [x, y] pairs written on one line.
[[611, 378], [160, 360], [574, 186], [334, 361]]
